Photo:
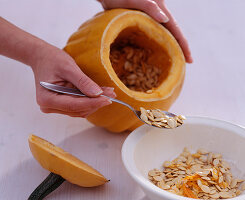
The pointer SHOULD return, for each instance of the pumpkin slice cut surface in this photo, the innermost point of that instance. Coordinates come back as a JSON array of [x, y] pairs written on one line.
[[57, 161]]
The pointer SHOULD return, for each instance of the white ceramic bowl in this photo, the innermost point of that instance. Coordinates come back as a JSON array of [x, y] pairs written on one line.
[[146, 148]]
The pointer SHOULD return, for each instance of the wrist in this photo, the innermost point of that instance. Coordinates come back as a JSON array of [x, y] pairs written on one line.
[[38, 51], [41, 51]]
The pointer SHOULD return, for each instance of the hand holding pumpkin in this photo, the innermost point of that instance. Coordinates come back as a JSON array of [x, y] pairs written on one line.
[[157, 10]]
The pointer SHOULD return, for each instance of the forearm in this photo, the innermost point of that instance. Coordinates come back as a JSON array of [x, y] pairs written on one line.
[[20, 45]]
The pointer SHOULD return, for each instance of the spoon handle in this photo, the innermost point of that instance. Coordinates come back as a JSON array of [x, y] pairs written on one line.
[[62, 89], [74, 91]]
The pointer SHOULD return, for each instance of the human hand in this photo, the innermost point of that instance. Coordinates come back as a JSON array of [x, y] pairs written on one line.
[[52, 65], [157, 10], [57, 67]]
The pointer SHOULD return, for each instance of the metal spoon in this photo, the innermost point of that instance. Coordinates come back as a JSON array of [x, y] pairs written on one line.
[[74, 91]]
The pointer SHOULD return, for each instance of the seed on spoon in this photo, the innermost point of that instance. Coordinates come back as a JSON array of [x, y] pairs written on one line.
[[172, 123], [156, 117]]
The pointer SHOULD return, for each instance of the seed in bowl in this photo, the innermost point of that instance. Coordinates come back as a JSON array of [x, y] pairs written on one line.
[[202, 175], [157, 118]]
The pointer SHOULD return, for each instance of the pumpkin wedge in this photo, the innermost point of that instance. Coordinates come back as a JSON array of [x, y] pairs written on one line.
[[63, 166], [92, 45]]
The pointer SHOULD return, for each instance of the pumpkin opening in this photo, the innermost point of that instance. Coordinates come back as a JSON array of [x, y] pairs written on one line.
[[139, 62]]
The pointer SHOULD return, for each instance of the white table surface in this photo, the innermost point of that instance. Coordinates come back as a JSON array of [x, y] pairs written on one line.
[[214, 87]]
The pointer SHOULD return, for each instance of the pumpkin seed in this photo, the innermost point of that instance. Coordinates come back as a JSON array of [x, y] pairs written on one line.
[[228, 178], [157, 178], [182, 117], [210, 158], [242, 186], [164, 186], [215, 196], [203, 158], [233, 183], [222, 170], [215, 174], [239, 180], [205, 189], [221, 179], [172, 123], [167, 164], [225, 195], [143, 117], [202, 151], [152, 173], [216, 162], [206, 178], [238, 192]]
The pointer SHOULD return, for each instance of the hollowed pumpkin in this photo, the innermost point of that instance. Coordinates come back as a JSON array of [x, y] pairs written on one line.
[[92, 45]]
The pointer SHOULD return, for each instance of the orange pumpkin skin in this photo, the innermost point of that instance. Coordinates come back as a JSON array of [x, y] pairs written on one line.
[[90, 48]]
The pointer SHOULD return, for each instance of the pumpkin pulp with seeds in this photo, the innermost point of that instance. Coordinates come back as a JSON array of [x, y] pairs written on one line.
[[135, 61]]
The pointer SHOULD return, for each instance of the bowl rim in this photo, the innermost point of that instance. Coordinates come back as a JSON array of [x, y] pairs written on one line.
[[138, 177]]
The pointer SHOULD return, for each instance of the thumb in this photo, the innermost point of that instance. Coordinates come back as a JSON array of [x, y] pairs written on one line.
[[83, 82]]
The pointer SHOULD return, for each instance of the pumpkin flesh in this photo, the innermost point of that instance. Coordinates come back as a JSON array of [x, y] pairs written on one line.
[[57, 161]]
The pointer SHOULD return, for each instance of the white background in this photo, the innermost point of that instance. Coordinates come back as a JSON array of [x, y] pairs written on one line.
[[214, 87]]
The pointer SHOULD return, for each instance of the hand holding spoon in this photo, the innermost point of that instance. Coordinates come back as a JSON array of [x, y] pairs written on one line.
[[168, 120]]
